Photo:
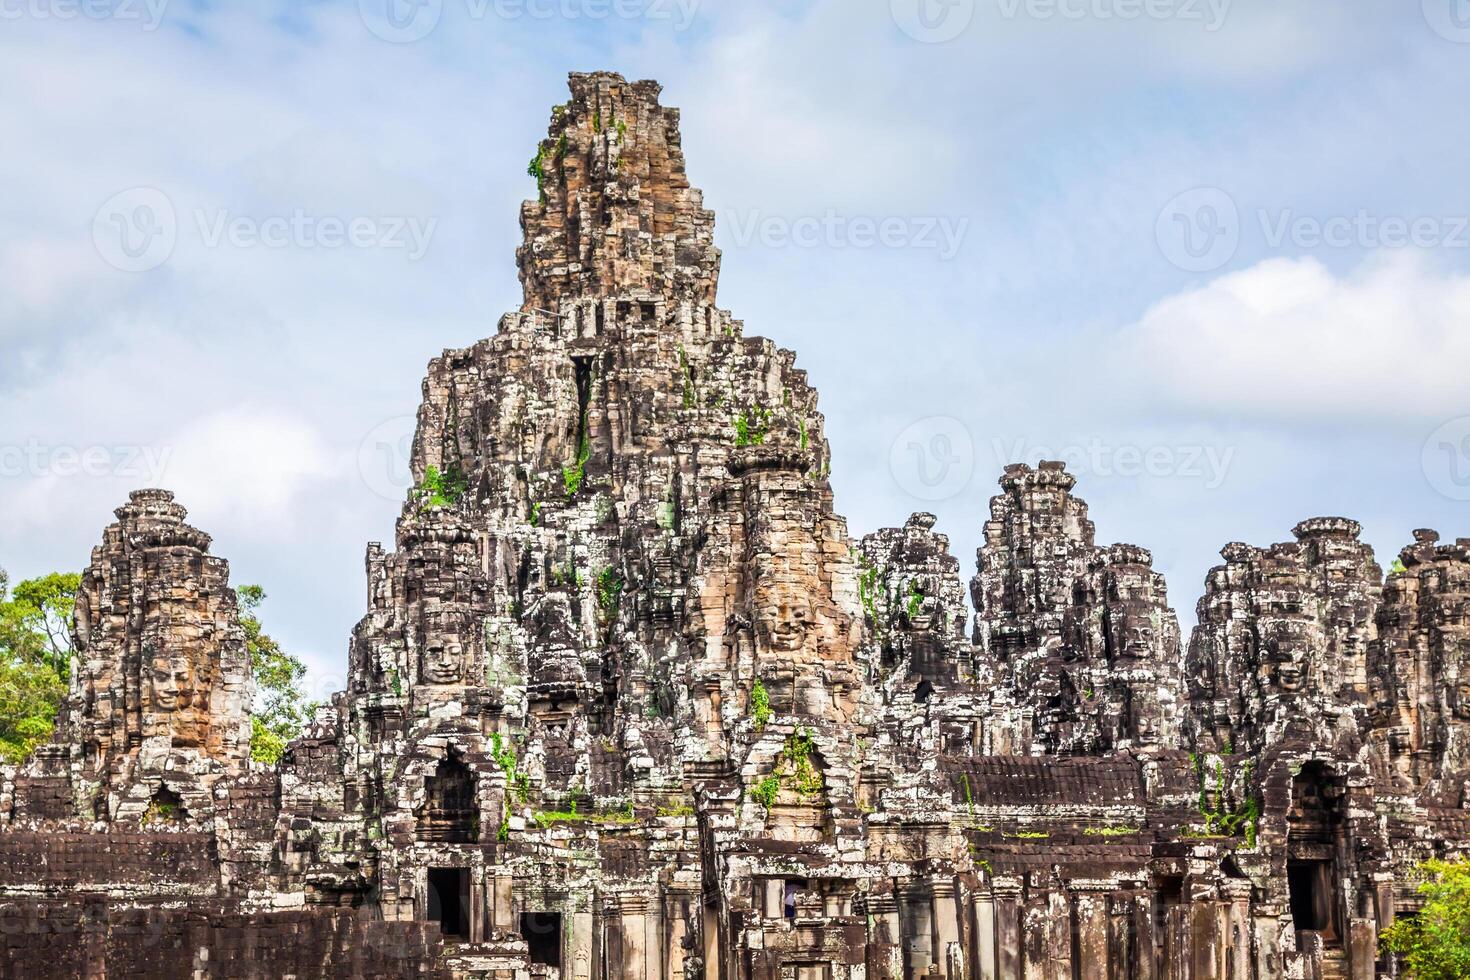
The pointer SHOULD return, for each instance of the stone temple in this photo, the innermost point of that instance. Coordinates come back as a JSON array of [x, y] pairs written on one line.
[[627, 702]]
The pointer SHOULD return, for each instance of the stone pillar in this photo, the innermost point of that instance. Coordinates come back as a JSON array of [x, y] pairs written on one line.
[[1238, 928], [983, 911], [1007, 930], [673, 947], [653, 947], [946, 919], [1362, 948], [885, 940], [581, 945], [504, 904], [1094, 960], [634, 929], [1059, 935]]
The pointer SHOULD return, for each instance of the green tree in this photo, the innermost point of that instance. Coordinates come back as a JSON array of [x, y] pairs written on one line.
[[35, 659], [1435, 944], [36, 621], [280, 709]]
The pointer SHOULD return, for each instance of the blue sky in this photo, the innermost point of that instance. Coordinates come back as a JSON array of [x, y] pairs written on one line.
[[1214, 253]]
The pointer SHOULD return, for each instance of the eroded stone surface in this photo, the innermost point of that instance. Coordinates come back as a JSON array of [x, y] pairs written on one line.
[[628, 703]]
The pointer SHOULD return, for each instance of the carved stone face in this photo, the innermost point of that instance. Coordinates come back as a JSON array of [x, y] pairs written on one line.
[[172, 683], [1287, 676], [1462, 698], [784, 618], [1285, 656], [1133, 633], [1145, 726], [442, 660]]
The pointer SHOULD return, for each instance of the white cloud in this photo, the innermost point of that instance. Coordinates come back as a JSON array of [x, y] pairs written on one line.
[[250, 467], [1288, 337]]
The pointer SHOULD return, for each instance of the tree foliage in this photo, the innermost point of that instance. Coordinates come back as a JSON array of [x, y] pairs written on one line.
[[1435, 944], [35, 658], [281, 709]]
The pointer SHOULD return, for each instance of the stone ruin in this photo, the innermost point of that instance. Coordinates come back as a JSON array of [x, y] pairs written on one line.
[[628, 704]]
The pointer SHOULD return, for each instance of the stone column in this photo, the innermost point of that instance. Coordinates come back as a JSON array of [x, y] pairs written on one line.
[[946, 922], [634, 915], [1094, 960], [983, 912], [504, 916], [581, 945], [1007, 930]]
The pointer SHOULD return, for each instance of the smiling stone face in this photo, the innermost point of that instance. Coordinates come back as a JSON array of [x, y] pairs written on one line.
[[1132, 632], [172, 683], [1285, 656], [442, 661], [784, 618]]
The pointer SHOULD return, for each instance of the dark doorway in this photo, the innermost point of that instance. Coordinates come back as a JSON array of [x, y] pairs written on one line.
[[449, 901], [1312, 904], [542, 933]]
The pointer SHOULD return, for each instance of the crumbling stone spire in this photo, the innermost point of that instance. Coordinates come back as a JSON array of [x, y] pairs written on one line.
[[1420, 669], [1281, 646], [1081, 640], [616, 216], [162, 687]]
